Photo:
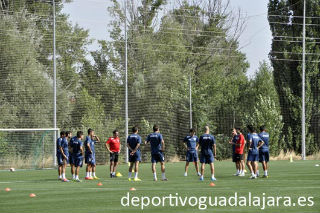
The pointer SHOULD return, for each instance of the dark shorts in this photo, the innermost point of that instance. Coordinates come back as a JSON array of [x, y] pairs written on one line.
[[234, 157], [252, 157], [135, 157], [263, 156], [238, 157], [77, 161], [71, 159], [157, 157], [192, 156], [61, 159], [206, 158], [90, 159], [114, 156]]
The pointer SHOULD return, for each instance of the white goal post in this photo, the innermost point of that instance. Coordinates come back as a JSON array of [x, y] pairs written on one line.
[[28, 147]]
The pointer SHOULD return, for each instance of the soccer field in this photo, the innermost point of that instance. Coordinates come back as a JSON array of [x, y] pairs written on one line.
[[300, 178]]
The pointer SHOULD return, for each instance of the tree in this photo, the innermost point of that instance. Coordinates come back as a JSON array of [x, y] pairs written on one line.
[[286, 61]]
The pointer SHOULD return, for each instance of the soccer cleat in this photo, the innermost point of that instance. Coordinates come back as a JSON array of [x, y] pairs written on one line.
[[164, 179], [199, 174], [111, 176], [136, 179], [96, 178], [201, 178], [77, 180], [265, 176], [65, 180], [88, 178], [185, 174], [253, 177], [241, 175], [155, 179], [213, 179], [129, 179]]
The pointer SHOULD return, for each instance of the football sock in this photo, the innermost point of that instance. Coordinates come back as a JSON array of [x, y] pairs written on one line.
[[113, 173], [155, 175], [163, 175], [266, 172], [87, 174], [212, 176], [129, 175], [77, 177], [63, 175], [136, 175], [93, 174], [73, 176]]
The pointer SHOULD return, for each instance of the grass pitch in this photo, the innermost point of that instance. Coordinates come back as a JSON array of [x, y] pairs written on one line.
[[300, 178]]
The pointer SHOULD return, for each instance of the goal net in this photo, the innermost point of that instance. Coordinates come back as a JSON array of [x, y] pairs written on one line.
[[27, 148]]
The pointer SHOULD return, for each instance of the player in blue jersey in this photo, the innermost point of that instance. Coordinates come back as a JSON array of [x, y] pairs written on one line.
[[233, 141], [264, 150], [191, 142], [90, 158], [59, 154], [70, 139], [157, 147], [77, 154], [133, 143], [64, 149], [207, 144], [255, 143]]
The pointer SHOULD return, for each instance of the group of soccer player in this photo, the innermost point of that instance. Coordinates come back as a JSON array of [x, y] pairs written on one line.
[[258, 150], [71, 150]]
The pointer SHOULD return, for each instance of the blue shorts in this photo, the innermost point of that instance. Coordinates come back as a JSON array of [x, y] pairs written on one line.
[[135, 157], [206, 158], [252, 157], [77, 161], [192, 156], [263, 156], [71, 158], [61, 159], [90, 159], [157, 157]]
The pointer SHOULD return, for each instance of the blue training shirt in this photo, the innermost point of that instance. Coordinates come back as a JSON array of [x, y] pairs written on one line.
[[234, 140], [155, 140], [265, 138], [133, 140], [64, 145], [255, 141], [59, 140], [191, 142], [206, 143], [76, 147], [91, 144]]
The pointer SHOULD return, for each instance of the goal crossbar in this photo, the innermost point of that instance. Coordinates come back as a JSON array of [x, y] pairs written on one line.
[[29, 129]]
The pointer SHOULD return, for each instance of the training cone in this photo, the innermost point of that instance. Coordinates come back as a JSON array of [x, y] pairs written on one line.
[[7, 189], [32, 195], [212, 184], [119, 174], [99, 184], [291, 159], [132, 189]]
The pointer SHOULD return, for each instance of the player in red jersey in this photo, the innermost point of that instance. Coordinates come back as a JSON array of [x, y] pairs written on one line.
[[239, 148], [113, 145]]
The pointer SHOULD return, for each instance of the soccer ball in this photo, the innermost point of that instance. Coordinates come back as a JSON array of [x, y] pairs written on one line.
[[12, 170]]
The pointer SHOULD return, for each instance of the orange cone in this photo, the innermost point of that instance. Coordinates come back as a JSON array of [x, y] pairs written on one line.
[[212, 184], [99, 184], [7, 189], [132, 189], [32, 195]]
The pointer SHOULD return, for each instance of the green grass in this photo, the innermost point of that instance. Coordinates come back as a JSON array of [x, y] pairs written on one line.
[[300, 178]]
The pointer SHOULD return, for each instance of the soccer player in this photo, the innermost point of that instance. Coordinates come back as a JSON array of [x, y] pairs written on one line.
[[64, 149], [233, 141], [264, 150], [207, 143], [90, 158], [253, 155], [239, 153], [113, 145], [71, 139], [191, 142], [133, 143], [157, 147], [60, 156], [77, 154]]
